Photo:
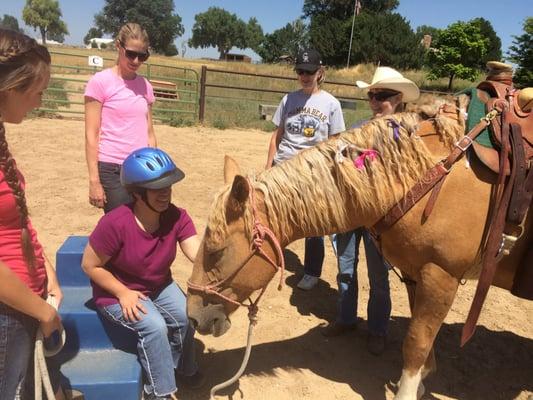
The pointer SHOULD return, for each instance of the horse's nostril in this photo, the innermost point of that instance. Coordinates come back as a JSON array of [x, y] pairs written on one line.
[[193, 323]]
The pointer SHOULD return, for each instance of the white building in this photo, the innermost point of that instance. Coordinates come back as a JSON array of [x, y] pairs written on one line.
[[48, 41], [99, 42]]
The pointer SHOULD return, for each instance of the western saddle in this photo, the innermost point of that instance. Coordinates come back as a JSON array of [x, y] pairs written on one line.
[[511, 157]]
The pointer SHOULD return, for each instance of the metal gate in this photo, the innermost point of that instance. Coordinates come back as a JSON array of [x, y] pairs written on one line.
[[175, 88]]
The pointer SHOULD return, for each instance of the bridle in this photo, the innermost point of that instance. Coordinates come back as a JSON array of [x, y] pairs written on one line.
[[259, 233]]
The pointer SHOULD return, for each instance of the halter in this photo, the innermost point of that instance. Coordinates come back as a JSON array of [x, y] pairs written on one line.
[[259, 232]]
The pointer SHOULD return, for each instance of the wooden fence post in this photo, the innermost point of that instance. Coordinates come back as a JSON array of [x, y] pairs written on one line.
[[203, 79]]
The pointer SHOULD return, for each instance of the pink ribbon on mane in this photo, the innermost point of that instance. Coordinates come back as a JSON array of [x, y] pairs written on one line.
[[359, 162]]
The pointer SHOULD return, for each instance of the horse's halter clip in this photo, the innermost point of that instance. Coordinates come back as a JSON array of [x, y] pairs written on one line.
[[259, 232]]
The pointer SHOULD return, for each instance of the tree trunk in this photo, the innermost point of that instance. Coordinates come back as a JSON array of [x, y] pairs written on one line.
[[43, 35], [450, 82]]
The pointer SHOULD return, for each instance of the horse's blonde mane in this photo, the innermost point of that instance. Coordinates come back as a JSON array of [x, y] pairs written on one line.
[[316, 185]]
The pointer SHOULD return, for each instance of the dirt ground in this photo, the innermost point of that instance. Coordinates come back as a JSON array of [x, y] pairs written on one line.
[[290, 358]]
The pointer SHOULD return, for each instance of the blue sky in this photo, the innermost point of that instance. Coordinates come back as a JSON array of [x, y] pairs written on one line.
[[506, 16]]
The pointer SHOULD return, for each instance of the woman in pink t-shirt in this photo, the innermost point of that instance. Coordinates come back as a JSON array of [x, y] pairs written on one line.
[[25, 277], [118, 118]]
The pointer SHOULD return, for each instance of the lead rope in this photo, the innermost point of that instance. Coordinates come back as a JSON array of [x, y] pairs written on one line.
[[42, 378], [252, 317], [259, 232]]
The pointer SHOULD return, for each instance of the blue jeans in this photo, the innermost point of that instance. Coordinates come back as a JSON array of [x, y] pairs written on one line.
[[165, 338], [17, 344], [17, 341], [314, 256], [115, 193], [379, 302]]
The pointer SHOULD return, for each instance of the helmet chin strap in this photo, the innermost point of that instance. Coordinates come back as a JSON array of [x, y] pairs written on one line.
[[144, 197]]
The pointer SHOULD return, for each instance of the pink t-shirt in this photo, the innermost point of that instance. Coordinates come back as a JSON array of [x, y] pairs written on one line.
[[10, 244], [124, 119]]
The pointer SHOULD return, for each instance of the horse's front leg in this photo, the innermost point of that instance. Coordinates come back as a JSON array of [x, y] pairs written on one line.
[[435, 291], [431, 364]]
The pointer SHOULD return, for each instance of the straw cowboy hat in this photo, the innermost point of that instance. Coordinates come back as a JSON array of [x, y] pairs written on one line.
[[388, 78]]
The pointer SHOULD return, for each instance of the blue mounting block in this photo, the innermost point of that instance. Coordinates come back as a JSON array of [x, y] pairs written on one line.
[[99, 358], [87, 329], [68, 262], [103, 374]]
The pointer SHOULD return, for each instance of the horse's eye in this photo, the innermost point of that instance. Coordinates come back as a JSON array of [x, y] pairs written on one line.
[[216, 255]]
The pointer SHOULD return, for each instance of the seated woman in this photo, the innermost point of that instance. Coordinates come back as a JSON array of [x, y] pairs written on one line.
[[128, 259]]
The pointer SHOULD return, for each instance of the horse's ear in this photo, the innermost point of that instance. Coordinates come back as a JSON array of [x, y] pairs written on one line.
[[240, 190], [231, 169], [236, 204]]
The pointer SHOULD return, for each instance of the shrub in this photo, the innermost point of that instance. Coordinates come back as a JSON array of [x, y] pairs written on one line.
[[219, 123]]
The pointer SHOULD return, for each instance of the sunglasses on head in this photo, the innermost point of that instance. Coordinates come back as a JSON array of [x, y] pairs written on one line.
[[382, 95], [304, 72], [132, 55]]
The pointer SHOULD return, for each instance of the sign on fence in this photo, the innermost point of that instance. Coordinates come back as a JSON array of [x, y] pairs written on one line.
[[96, 61]]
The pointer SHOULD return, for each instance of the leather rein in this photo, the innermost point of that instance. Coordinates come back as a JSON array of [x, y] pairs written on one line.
[[260, 232], [433, 179]]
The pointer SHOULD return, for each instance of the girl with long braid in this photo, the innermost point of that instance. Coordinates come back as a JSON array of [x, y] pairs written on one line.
[[25, 277]]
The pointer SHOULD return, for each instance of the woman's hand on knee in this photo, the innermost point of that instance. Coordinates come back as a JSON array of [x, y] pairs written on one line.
[[132, 307]]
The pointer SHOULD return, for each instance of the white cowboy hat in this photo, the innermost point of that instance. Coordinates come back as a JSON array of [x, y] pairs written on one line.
[[388, 78]]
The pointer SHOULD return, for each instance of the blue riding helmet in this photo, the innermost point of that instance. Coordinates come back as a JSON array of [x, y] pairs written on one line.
[[149, 168]]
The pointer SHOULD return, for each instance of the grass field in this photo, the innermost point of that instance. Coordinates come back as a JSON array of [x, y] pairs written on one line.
[[226, 108]]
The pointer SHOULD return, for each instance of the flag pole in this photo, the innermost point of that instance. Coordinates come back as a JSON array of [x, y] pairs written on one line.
[[351, 34]]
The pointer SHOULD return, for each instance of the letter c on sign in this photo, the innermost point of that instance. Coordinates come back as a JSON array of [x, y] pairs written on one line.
[[96, 61]]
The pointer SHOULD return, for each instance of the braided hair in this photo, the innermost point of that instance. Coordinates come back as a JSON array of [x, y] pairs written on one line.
[[23, 62], [132, 30]]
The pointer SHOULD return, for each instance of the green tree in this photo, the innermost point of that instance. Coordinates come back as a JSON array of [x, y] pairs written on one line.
[[343, 9], [223, 30], [330, 36], [92, 33], [55, 36], [385, 38], [10, 22], [420, 34], [427, 30], [494, 45], [254, 34], [521, 53], [156, 16], [285, 41], [379, 34], [456, 52], [45, 15]]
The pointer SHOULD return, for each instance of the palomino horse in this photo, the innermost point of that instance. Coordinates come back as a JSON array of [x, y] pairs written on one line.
[[322, 191]]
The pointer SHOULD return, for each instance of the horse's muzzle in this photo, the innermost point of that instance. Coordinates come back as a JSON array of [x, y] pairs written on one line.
[[210, 319]]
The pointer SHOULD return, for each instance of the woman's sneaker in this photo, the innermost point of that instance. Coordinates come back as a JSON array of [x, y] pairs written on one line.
[[307, 282], [153, 396]]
